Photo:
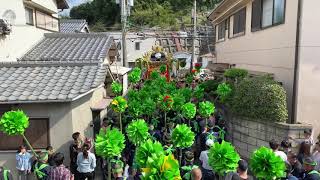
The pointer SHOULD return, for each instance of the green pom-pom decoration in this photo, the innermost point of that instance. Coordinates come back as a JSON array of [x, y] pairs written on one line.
[[189, 110], [206, 109], [119, 104], [265, 164], [166, 103], [137, 132], [14, 123], [135, 75], [198, 92], [178, 101], [182, 136], [223, 91], [149, 107], [116, 87], [109, 143], [187, 93], [146, 150], [135, 109], [223, 158], [161, 167], [163, 69]]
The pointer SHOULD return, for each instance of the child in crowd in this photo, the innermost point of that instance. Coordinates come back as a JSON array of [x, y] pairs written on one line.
[[50, 152], [41, 168], [304, 151], [23, 163], [274, 145]]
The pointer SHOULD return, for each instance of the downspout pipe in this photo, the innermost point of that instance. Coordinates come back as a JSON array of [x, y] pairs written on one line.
[[293, 119]]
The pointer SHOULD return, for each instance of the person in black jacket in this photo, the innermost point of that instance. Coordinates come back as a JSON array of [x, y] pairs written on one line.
[[297, 169], [5, 174], [309, 167]]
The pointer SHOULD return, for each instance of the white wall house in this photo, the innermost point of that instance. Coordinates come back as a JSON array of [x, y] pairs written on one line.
[[29, 20]]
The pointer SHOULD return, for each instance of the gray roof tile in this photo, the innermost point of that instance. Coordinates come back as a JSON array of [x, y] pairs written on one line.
[[70, 47], [72, 25], [47, 82]]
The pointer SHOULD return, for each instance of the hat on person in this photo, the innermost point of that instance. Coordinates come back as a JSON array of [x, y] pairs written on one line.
[[189, 156], [209, 142], [310, 161]]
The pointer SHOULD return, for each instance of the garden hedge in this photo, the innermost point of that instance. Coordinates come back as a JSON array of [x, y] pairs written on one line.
[[236, 73], [260, 98]]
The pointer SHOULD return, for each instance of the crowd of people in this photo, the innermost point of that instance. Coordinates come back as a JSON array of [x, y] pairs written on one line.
[[48, 165]]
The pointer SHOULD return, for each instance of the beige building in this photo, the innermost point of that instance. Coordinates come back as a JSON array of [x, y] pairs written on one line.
[[274, 36], [29, 20]]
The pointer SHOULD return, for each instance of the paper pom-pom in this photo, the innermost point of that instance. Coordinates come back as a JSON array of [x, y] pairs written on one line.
[[178, 101], [116, 88], [265, 164], [166, 102], [14, 123], [149, 107], [135, 108], [119, 104], [146, 150], [223, 158], [161, 167], [198, 92], [189, 110], [109, 143], [224, 90], [206, 109], [182, 136], [137, 131], [135, 75]]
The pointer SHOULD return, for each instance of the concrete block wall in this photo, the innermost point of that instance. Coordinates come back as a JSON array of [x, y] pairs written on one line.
[[247, 135]]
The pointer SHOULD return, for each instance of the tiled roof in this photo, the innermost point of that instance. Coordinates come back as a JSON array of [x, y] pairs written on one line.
[[89, 47], [72, 25], [48, 82]]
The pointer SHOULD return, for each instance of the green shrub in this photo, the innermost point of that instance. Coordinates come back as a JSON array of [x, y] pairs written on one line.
[[210, 86], [260, 98], [236, 73]]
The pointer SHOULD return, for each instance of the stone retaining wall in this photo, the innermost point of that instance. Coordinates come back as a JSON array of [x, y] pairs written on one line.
[[247, 135]]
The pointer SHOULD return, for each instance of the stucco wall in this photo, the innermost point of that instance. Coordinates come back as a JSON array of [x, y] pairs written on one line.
[[22, 37], [50, 4], [309, 66], [270, 50]]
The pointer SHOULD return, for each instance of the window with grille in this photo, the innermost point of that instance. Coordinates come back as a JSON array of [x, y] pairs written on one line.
[[222, 27], [267, 13]]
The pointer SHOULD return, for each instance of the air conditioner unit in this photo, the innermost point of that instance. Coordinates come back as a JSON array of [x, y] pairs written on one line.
[[5, 27]]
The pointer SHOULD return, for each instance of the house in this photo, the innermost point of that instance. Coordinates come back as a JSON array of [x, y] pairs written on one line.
[[278, 37], [73, 26], [28, 20], [60, 84], [137, 46]]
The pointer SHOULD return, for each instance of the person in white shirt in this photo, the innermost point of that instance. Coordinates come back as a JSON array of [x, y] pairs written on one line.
[[207, 172], [274, 145], [86, 162], [316, 155]]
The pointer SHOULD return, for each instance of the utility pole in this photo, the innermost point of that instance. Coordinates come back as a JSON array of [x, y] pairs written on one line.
[[194, 34], [124, 22]]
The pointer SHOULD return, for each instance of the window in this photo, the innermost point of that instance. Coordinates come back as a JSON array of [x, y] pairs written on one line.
[[29, 16], [222, 27], [239, 21], [46, 21], [37, 133], [137, 46], [266, 13]]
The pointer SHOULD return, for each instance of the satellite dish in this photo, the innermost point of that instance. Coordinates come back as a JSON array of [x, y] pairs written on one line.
[[10, 16]]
